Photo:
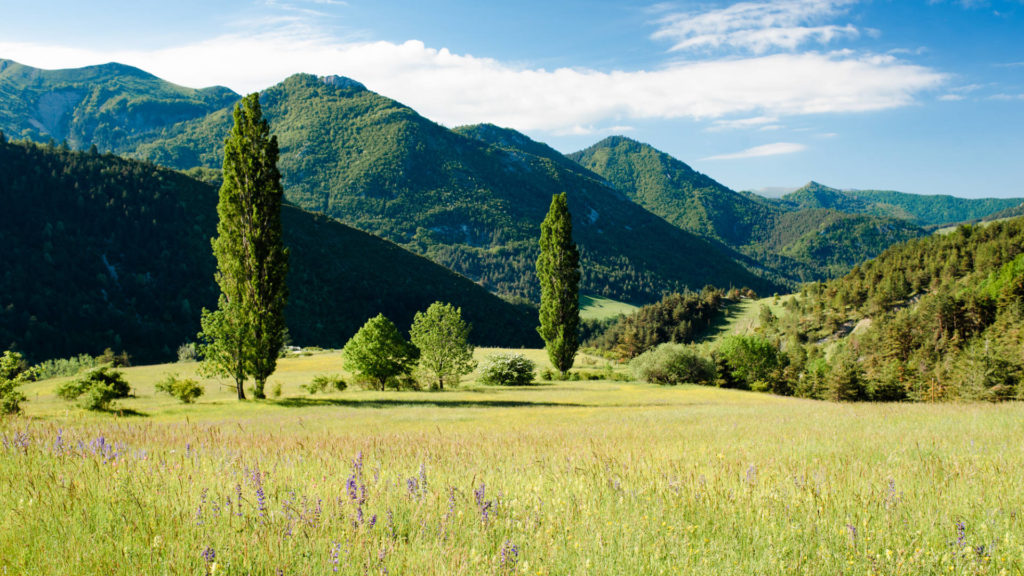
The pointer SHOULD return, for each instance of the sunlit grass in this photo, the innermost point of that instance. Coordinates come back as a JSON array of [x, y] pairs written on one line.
[[599, 308], [588, 477]]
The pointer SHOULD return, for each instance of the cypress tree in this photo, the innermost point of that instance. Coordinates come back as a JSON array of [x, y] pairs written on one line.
[[246, 332], [558, 269]]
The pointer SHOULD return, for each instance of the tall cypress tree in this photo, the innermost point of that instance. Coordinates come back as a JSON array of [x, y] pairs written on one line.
[[246, 332], [558, 269]]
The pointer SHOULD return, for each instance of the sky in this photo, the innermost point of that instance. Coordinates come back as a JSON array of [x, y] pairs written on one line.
[[921, 96]]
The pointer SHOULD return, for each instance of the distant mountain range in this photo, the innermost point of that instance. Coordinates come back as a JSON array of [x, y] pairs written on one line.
[[102, 252], [919, 209], [795, 242], [471, 199]]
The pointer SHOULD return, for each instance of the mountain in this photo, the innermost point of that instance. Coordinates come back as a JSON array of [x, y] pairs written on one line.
[[922, 210], [794, 243], [107, 105], [471, 200], [101, 251]]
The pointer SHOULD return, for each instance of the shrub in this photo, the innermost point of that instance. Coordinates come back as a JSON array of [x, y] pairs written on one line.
[[99, 388], [187, 352], [13, 373], [673, 364], [184, 389], [506, 369], [325, 383], [58, 367]]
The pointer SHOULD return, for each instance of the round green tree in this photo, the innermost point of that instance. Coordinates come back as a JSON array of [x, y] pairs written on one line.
[[442, 337], [378, 352], [558, 269]]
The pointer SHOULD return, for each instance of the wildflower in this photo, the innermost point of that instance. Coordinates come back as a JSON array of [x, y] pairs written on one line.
[[509, 556]]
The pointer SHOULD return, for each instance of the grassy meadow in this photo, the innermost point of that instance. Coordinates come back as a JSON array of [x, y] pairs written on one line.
[[576, 477], [599, 307]]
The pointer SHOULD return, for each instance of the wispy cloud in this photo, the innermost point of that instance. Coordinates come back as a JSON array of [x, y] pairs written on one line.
[[459, 89], [1003, 97], [758, 27], [758, 122], [775, 149]]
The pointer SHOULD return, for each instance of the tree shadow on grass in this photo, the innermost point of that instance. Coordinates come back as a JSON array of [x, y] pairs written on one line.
[[300, 402], [127, 412]]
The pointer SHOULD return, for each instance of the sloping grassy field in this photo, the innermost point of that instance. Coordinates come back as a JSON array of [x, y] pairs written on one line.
[[594, 477], [600, 308]]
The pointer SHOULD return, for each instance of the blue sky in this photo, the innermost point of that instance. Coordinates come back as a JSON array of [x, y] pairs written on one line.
[[919, 96]]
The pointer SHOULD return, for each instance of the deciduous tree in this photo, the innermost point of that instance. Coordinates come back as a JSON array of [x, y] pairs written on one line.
[[442, 337], [244, 336], [378, 351], [558, 269]]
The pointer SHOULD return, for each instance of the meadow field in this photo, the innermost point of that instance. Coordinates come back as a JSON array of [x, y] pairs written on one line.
[[576, 477]]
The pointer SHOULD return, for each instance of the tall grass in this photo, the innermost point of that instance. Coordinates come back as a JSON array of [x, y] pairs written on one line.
[[570, 478]]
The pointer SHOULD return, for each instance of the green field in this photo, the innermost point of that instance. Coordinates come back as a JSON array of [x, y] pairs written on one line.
[[587, 477], [600, 308]]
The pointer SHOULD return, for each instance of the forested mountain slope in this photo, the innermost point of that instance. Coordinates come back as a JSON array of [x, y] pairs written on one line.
[[472, 205], [109, 105], [105, 252]]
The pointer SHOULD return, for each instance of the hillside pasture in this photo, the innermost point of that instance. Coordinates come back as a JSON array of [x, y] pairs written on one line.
[[580, 477]]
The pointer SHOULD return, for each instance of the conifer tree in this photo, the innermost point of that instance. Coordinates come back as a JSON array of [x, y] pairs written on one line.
[[558, 269], [245, 334]]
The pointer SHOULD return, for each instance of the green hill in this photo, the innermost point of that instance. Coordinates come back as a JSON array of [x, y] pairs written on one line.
[[100, 251], [794, 243], [935, 318], [108, 105], [922, 210], [465, 200]]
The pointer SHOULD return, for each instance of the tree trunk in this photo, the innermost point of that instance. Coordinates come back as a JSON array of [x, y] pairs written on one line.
[[240, 386]]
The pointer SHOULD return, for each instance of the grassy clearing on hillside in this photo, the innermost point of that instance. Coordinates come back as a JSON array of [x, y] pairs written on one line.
[[563, 478], [598, 308], [742, 317]]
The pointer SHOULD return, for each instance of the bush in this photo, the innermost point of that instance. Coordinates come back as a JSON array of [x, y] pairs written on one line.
[[13, 373], [673, 364], [100, 387], [184, 389], [506, 369], [59, 367], [187, 352], [325, 383]]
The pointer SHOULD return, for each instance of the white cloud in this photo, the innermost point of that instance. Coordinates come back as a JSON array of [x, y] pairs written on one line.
[[776, 149], [1003, 97], [758, 27], [760, 122], [462, 89]]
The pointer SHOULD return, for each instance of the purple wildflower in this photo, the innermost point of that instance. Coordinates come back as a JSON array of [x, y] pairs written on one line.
[[509, 557]]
